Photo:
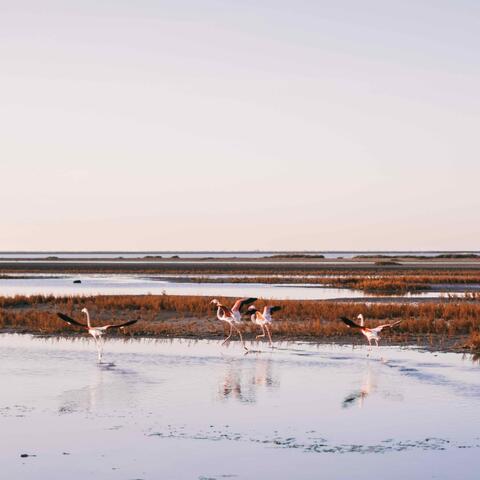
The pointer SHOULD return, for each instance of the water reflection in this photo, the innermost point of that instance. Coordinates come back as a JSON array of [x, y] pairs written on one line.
[[474, 357], [159, 396], [368, 386], [242, 380], [108, 386]]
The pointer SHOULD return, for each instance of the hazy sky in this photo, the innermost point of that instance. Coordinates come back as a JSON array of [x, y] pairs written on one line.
[[153, 124]]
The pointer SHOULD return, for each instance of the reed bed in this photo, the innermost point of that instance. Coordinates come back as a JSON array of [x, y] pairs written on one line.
[[243, 267], [434, 324], [393, 283], [473, 342], [381, 284]]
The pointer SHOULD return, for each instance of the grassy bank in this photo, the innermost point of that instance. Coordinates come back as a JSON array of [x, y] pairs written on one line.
[[440, 325]]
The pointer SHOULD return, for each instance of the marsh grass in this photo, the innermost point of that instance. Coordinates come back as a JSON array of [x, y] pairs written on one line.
[[473, 342], [391, 284], [437, 323]]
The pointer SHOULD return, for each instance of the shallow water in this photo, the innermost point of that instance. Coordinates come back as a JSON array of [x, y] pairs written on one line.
[[192, 409], [140, 285]]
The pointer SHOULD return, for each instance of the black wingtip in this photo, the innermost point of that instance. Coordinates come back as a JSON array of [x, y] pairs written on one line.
[[349, 322], [70, 320], [123, 325], [131, 322]]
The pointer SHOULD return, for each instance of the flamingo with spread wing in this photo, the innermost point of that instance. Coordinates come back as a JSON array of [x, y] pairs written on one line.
[[370, 333], [96, 332]]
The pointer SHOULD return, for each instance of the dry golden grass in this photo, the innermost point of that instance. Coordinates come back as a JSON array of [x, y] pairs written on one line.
[[473, 342], [392, 283], [436, 323]]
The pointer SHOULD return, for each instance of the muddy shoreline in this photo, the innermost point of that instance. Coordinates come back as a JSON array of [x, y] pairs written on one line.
[[427, 343]]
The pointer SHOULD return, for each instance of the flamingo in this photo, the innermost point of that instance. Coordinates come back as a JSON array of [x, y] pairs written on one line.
[[233, 316], [96, 332], [370, 333], [263, 320]]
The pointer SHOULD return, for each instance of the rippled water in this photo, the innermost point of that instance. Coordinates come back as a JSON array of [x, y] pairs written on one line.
[[140, 285], [181, 410]]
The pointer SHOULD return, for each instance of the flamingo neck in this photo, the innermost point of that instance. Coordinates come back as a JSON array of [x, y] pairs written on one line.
[[88, 319]]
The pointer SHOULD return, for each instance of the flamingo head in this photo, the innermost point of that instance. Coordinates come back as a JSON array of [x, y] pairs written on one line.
[[84, 310], [215, 302], [360, 318], [252, 309]]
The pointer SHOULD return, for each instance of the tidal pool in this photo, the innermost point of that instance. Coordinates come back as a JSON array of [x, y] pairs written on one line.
[[185, 409], [117, 284]]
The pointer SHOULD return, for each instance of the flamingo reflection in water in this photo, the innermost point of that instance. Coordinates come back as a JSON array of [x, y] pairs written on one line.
[[242, 382], [368, 386]]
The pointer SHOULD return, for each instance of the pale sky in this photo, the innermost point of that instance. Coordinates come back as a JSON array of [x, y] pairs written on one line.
[[190, 124]]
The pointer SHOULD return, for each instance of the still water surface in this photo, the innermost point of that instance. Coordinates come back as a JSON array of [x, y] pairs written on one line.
[[194, 410], [140, 285]]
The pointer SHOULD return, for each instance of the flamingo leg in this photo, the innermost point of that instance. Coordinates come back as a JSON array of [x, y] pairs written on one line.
[[229, 335], [269, 335], [263, 333], [241, 338]]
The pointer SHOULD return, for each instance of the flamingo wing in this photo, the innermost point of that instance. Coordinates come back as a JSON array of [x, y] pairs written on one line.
[[241, 302], [120, 325], [268, 310], [70, 320], [350, 323], [386, 325], [224, 311]]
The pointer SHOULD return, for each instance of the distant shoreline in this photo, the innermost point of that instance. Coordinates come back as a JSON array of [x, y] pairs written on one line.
[[266, 265]]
